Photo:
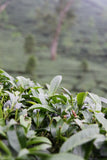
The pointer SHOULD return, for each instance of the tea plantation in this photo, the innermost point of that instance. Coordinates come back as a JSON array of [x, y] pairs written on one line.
[[49, 123]]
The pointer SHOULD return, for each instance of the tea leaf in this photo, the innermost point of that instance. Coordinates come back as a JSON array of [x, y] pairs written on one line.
[[101, 119], [80, 98], [80, 138], [63, 156], [54, 85], [42, 107]]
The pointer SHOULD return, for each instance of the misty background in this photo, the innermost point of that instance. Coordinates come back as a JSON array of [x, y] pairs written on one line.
[[29, 28]]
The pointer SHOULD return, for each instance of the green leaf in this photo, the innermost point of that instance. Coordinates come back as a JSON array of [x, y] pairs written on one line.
[[2, 122], [40, 147], [25, 83], [21, 136], [38, 140], [4, 148], [104, 100], [2, 131], [101, 119], [23, 152], [13, 140], [80, 138], [54, 85], [80, 98], [12, 122], [99, 141], [66, 91], [25, 121], [96, 99], [59, 98], [42, 107], [62, 156]]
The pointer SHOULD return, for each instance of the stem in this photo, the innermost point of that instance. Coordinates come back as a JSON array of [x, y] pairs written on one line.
[[1, 111], [37, 119], [16, 113]]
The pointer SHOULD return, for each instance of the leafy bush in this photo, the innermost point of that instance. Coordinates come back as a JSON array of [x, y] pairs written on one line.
[[84, 65], [38, 123], [29, 44], [31, 64]]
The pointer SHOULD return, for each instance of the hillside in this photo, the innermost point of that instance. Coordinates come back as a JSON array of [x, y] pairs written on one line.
[[82, 39]]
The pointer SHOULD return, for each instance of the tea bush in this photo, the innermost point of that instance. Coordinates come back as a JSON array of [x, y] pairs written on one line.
[[41, 123]]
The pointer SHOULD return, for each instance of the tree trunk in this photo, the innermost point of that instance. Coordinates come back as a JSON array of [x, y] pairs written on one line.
[[62, 15]]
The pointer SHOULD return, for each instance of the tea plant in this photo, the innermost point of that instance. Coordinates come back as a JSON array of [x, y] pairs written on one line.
[[40, 123]]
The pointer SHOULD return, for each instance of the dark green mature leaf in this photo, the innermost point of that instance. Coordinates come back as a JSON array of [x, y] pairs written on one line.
[[38, 140], [54, 85], [21, 136], [59, 98], [80, 98], [42, 107], [80, 138]]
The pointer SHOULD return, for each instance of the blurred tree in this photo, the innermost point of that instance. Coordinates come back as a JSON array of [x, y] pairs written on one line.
[[31, 65], [46, 20], [64, 7], [84, 65], [29, 44]]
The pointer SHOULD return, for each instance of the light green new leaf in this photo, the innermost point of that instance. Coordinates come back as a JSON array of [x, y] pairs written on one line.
[[99, 141], [80, 98], [80, 138], [23, 152], [4, 148], [2, 131], [42, 107], [63, 156], [54, 85], [25, 121], [104, 100], [101, 119], [96, 99], [25, 83]]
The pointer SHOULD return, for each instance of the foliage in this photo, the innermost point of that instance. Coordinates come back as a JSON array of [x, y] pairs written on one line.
[[84, 65], [29, 44], [42, 123], [31, 65]]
